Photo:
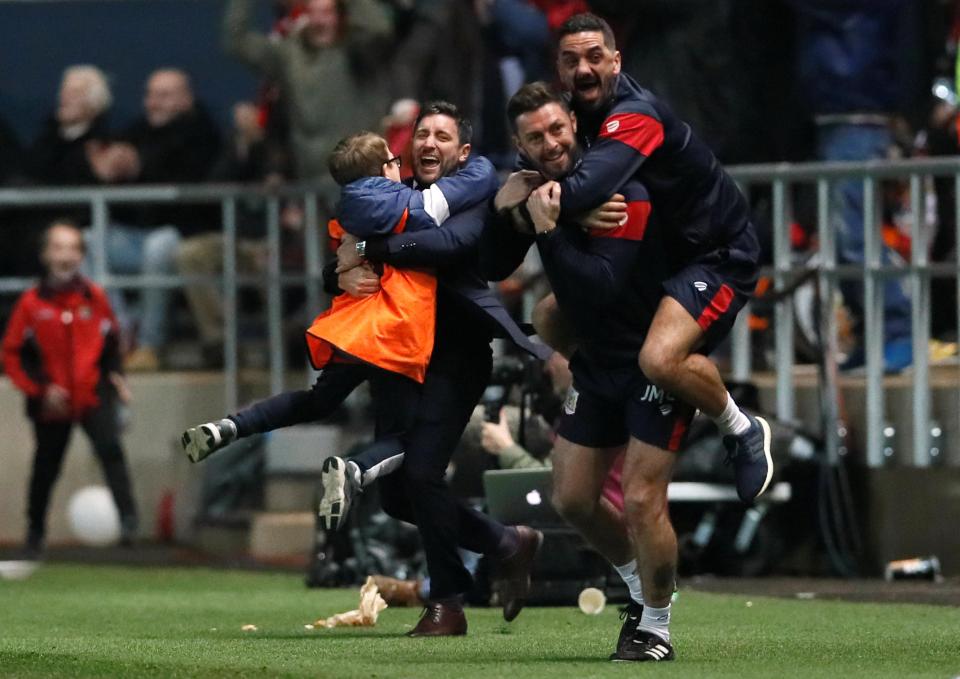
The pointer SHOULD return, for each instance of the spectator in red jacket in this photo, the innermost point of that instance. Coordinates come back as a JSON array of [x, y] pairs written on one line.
[[61, 349]]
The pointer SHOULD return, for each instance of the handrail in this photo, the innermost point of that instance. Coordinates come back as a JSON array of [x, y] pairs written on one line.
[[781, 178]]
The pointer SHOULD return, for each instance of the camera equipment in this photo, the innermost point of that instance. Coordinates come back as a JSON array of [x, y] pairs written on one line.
[[536, 391]]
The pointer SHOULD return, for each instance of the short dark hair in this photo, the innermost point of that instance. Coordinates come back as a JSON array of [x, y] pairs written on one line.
[[68, 223], [530, 97], [445, 108], [587, 22], [357, 156]]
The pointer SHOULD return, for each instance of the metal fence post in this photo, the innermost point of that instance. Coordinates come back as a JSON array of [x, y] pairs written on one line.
[[230, 362], [274, 296], [100, 215], [873, 295], [741, 364], [783, 312], [920, 324], [827, 289]]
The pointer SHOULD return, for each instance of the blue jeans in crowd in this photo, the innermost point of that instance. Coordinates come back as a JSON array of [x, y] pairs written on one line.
[[133, 250], [845, 142]]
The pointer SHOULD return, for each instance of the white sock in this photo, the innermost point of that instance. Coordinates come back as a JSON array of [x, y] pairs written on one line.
[[732, 420], [631, 578], [656, 621]]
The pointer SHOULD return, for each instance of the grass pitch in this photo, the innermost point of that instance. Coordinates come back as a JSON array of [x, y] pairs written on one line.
[[71, 620]]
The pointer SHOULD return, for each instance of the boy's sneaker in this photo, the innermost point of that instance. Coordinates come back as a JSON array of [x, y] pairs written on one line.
[[643, 646], [204, 439], [630, 614], [750, 454], [339, 483]]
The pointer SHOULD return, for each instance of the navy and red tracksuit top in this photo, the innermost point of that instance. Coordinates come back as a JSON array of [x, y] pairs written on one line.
[[66, 336], [636, 136], [607, 282]]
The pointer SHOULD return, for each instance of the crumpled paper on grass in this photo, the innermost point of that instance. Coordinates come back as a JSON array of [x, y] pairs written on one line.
[[371, 604]]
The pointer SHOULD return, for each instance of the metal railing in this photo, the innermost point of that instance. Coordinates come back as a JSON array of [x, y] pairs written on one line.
[[100, 200], [919, 271], [780, 178]]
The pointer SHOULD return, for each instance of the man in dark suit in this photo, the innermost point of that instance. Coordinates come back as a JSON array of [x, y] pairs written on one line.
[[468, 317]]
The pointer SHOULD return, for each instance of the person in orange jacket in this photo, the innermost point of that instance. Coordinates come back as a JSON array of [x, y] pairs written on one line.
[[385, 338], [61, 349]]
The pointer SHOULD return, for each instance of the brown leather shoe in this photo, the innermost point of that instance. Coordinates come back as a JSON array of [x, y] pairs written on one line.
[[399, 592], [440, 620], [514, 585]]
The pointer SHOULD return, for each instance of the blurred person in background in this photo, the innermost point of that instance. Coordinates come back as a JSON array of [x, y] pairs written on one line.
[[61, 349], [70, 149], [15, 256], [331, 69], [722, 66], [175, 141], [11, 154], [847, 63], [248, 157]]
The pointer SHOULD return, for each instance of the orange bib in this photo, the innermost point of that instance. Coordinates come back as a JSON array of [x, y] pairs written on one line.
[[392, 329]]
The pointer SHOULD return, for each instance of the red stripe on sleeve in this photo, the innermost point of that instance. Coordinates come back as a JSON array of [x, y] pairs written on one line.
[[638, 214], [638, 131], [716, 307]]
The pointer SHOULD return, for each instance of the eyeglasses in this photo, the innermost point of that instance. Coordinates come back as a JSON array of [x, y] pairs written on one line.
[[395, 159]]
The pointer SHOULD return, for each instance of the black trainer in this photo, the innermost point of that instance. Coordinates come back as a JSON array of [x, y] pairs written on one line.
[[209, 437], [338, 486], [630, 614], [644, 646], [750, 455]]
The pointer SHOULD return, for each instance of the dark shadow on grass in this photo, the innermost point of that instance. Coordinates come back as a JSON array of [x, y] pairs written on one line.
[[321, 636]]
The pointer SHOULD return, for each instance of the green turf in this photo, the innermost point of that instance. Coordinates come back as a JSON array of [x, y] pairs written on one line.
[[108, 621]]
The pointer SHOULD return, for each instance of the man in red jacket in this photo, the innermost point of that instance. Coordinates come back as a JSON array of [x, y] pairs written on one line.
[[61, 349]]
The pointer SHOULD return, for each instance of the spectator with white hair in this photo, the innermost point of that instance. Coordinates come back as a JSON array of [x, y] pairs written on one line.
[[71, 149]]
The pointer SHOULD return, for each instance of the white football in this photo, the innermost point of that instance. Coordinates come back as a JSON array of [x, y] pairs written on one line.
[[94, 518]]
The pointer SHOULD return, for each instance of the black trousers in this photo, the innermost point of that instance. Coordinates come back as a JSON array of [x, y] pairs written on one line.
[[101, 426], [395, 402], [418, 493]]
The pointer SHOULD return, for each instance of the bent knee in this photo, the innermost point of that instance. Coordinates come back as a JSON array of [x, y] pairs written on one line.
[[644, 502], [657, 360], [574, 509]]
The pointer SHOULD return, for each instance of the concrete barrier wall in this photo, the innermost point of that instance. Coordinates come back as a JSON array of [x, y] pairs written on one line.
[[164, 404]]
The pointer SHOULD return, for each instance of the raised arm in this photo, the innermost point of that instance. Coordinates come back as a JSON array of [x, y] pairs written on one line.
[[369, 32], [626, 140], [251, 47]]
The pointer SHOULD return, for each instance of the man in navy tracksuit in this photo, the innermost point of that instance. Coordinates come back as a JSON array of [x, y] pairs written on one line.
[[468, 316], [711, 252], [608, 285]]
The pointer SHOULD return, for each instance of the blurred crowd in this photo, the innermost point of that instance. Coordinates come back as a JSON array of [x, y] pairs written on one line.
[[759, 80]]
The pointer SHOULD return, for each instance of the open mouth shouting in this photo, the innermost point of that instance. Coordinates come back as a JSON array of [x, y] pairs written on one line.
[[587, 87], [430, 162]]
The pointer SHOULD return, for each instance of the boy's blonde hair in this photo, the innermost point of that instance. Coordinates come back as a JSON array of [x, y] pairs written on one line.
[[359, 155]]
